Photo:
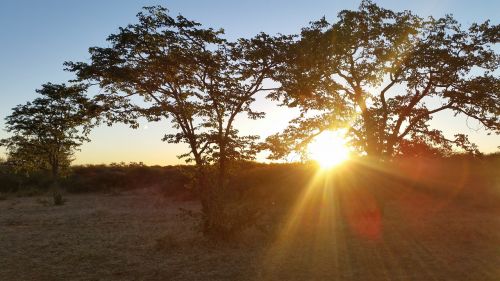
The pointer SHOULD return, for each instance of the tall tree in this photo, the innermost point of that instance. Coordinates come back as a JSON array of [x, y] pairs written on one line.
[[192, 77], [384, 75], [46, 131]]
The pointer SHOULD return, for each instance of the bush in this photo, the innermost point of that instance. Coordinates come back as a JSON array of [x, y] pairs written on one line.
[[171, 180], [58, 199], [254, 196], [12, 181], [9, 181]]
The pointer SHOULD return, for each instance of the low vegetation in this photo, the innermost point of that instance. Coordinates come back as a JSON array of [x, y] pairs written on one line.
[[360, 221], [259, 191]]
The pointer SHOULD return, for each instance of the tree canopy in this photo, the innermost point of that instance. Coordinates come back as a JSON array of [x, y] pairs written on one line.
[[166, 68], [384, 75], [185, 73], [46, 131]]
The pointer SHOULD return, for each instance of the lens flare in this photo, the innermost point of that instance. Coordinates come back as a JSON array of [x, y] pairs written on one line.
[[329, 149]]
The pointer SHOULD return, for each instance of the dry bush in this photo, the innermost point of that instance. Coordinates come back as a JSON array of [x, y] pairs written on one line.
[[115, 178]]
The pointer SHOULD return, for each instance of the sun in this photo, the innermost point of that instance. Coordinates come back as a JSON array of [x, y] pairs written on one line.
[[329, 149]]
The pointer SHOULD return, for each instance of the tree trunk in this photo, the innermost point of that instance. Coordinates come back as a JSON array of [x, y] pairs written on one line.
[[222, 171], [56, 189], [372, 144], [217, 224], [206, 189]]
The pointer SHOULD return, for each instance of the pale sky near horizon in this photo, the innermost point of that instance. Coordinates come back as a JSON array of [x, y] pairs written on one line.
[[36, 37]]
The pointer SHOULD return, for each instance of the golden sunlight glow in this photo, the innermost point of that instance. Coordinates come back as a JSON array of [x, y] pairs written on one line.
[[329, 149]]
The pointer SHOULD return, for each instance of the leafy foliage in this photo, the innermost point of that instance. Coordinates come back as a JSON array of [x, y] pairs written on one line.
[[189, 75], [46, 131], [184, 73], [384, 75]]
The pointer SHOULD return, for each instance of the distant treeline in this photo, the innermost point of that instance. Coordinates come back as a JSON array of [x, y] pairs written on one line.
[[94, 178], [177, 180]]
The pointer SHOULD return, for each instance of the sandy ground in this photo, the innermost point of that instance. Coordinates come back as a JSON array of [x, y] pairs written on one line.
[[143, 236]]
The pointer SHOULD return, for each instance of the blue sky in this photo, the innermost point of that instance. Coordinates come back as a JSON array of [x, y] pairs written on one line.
[[36, 37]]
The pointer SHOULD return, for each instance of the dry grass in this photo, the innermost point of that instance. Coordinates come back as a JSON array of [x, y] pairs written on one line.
[[407, 235]]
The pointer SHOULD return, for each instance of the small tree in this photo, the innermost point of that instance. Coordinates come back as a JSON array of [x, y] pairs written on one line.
[[384, 75], [196, 79], [46, 131]]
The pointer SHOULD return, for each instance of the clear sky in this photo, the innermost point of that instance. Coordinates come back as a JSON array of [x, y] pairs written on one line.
[[36, 37]]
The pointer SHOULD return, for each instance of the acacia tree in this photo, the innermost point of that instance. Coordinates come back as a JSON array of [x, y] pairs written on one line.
[[384, 75], [46, 131], [192, 77]]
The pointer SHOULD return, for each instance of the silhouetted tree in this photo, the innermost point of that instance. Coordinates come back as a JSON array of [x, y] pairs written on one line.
[[46, 131], [193, 77], [384, 75]]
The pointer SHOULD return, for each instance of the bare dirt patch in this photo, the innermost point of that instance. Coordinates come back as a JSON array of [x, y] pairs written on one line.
[[141, 236]]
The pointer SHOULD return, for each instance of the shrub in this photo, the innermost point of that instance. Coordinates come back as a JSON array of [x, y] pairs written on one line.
[[171, 180], [58, 199]]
